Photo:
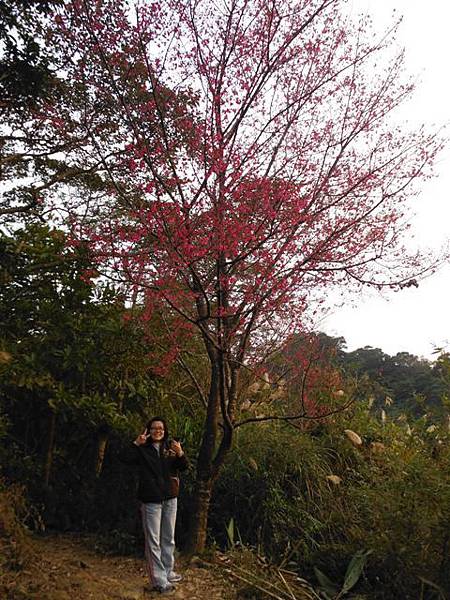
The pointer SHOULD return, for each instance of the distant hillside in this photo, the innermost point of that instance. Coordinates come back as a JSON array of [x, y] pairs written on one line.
[[413, 384]]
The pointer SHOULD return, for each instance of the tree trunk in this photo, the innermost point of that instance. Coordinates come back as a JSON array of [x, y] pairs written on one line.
[[102, 442], [199, 520], [203, 487], [49, 446], [210, 458]]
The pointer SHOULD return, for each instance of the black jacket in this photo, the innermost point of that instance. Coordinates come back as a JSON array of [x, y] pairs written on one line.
[[158, 474]]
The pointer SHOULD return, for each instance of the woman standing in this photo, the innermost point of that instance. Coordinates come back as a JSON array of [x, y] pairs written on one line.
[[159, 460]]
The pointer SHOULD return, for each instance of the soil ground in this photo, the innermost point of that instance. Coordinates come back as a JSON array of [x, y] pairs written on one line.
[[69, 568]]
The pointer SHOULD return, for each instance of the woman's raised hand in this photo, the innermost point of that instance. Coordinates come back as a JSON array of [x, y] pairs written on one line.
[[141, 439], [176, 447]]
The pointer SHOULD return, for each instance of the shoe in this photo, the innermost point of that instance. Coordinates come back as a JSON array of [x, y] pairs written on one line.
[[174, 577], [164, 589]]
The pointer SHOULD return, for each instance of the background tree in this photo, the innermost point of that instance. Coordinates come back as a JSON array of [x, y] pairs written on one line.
[[260, 168], [72, 353], [60, 132], [27, 79], [410, 382], [24, 65]]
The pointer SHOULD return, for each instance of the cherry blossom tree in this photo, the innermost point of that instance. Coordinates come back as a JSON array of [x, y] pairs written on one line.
[[249, 164]]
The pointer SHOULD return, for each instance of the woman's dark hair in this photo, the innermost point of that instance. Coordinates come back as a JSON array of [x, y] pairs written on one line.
[[166, 431]]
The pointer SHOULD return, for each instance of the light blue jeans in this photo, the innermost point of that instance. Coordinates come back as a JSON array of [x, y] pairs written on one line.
[[158, 521]]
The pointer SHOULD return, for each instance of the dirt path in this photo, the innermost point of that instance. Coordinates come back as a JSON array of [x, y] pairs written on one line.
[[68, 568]]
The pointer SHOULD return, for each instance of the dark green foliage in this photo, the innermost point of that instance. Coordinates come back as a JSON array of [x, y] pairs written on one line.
[[354, 571], [69, 343], [73, 359], [25, 63], [392, 501], [412, 384]]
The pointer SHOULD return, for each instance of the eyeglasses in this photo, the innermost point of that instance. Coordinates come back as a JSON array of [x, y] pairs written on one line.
[[156, 428]]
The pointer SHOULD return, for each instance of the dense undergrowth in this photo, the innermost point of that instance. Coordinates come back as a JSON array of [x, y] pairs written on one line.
[[313, 499], [305, 500]]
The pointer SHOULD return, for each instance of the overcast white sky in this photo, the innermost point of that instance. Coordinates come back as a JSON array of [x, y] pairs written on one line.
[[413, 320]]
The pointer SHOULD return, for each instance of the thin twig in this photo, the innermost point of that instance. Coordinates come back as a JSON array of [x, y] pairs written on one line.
[[260, 579], [288, 587], [258, 587]]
